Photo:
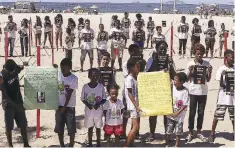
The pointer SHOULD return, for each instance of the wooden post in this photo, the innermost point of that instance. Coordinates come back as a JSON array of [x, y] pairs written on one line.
[[38, 110], [6, 46]]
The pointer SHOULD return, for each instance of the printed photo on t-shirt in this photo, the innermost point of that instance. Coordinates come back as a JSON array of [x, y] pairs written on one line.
[[41, 97]]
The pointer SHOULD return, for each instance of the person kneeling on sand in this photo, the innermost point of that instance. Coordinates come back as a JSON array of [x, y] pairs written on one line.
[[225, 75]]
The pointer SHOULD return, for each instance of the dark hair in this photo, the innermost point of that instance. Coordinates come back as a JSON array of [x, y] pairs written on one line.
[[66, 62], [182, 77], [72, 21], [112, 86], [195, 20], [10, 65], [60, 16], [133, 48], [106, 54], [138, 15], [24, 21], [150, 17], [222, 25], [87, 20], [209, 23], [47, 18], [158, 44], [93, 70], [10, 16], [183, 17], [126, 13], [101, 25], [80, 20], [199, 47], [158, 27], [68, 30], [131, 63], [228, 52]]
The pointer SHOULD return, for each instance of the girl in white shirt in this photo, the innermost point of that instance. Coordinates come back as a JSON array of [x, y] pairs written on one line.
[[113, 110]]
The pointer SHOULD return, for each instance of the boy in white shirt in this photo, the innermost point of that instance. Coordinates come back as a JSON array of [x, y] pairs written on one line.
[[113, 110], [132, 99], [225, 96], [180, 102], [68, 84], [199, 73], [93, 96], [183, 29], [102, 38], [87, 36]]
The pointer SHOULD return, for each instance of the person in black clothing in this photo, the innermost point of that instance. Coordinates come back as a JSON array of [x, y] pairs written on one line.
[[12, 101], [159, 61]]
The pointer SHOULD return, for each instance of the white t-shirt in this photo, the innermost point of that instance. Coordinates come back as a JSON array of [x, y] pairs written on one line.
[[183, 33], [130, 82], [87, 36], [23, 30], [158, 38], [70, 82], [197, 89], [12, 33], [113, 114], [180, 99], [124, 69], [223, 98], [93, 96]]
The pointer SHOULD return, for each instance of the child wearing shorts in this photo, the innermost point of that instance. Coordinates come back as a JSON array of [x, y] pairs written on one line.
[[93, 96], [113, 110], [180, 102]]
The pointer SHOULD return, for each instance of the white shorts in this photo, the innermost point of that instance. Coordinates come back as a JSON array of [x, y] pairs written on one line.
[[91, 122], [134, 114]]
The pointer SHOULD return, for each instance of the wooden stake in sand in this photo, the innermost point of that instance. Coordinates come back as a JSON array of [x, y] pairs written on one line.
[[38, 110], [6, 46]]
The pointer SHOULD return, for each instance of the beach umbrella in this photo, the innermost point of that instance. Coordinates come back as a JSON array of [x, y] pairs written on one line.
[[94, 7], [156, 9]]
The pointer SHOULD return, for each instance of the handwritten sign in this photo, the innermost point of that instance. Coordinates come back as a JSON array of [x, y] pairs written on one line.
[[154, 93], [41, 88]]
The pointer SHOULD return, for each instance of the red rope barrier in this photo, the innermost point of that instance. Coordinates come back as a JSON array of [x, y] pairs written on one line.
[[38, 110]]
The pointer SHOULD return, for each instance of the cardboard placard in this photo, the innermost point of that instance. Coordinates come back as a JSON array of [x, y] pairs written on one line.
[[200, 74], [106, 75], [229, 79], [163, 23], [163, 61]]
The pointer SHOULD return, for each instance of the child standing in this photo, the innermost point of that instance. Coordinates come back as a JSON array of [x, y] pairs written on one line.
[[132, 99], [38, 31], [69, 40], [12, 102], [138, 37], [196, 31], [180, 102], [113, 110], [225, 96], [47, 30], [210, 38], [58, 29], [81, 26], [102, 41], [150, 28], [24, 38], [68, 84], [199, 74], [159, 36], [93, 96], [221, 38], [183, 29], [126, 25]]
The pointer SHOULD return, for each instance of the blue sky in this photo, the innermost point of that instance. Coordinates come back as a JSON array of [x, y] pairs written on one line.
[[129, 1]]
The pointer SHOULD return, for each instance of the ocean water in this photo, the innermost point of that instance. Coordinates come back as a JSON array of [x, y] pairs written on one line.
[[118, 7]]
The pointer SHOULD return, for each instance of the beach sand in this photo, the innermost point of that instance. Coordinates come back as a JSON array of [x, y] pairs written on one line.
[[49, 138]]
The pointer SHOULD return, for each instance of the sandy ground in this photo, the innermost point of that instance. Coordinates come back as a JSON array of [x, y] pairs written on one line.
[[49, 138]]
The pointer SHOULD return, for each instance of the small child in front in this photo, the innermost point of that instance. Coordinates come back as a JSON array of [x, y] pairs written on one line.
[[226, 92], [68, 84], [93, 96], [180, 102], [113, 110]]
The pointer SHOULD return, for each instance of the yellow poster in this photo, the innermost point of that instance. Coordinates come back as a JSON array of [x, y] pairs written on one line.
[[154, 93]]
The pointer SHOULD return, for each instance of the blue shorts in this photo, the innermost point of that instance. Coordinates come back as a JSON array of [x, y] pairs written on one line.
[[140, 44]]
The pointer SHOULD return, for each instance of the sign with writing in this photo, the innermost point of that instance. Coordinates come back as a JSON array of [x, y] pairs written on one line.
[[41, 88], [154, 93], [199, 74], [87, 37], [229, 79], [106, 75], [163, 61]]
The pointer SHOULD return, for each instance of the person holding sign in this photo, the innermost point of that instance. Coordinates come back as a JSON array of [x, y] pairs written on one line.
[[225, 74], [87, 36], [117, 44], [180, 103], [12, 102], [159, 61], [210, 38], [102, 38], [93, 96], [113, 110], [199, 73], [183, 29], [131, 96], [196, 31], [68, 84]]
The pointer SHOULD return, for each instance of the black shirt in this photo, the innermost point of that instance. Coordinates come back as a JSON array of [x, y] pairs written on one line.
[[11, 86]]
